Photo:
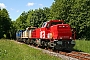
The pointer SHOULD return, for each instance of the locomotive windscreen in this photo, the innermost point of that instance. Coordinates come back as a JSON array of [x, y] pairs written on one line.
[[55, 23]]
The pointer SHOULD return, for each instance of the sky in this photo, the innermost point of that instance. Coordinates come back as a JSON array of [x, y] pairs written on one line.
[[16, 7]]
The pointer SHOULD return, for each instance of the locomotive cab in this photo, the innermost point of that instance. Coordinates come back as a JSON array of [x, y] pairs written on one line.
[[48, 24]]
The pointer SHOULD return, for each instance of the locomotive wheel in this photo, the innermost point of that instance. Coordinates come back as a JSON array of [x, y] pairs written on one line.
[[24, 40], [17, 40], [27, 41]]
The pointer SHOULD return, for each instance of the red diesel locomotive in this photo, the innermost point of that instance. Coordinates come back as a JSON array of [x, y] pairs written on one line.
[[53, 34]]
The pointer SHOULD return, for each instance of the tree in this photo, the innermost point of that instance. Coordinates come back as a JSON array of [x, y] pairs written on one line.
[[21, 21], [5, 23], [37, 17], [13, 30], [79, 18], [60, 9]]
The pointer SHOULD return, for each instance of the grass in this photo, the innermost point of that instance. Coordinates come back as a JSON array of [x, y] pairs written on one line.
[[11, 50], [83, 45]]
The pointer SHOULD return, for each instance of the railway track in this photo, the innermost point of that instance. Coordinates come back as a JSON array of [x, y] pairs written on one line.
[[73, 55], [77, 55]]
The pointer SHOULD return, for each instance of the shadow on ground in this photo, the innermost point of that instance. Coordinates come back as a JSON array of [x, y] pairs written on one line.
[[77, 50]]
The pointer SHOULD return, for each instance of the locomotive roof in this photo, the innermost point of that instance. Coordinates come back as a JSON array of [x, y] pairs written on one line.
[[56, 21]]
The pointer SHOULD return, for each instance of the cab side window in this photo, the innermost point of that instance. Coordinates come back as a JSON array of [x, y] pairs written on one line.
[[44, 24], [48, 25]]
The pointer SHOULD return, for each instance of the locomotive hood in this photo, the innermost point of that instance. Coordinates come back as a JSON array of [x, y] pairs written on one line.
[[61, 31]]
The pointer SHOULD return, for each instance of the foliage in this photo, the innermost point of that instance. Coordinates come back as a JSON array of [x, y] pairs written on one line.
[[80, 18], [21, 21], [37, 17], [32, 18], [13, 30], [12, 50], [5, 23]]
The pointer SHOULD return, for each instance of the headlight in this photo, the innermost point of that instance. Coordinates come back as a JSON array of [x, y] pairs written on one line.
[[72, 42], [49, 35], [70, 37], [60, 37]]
